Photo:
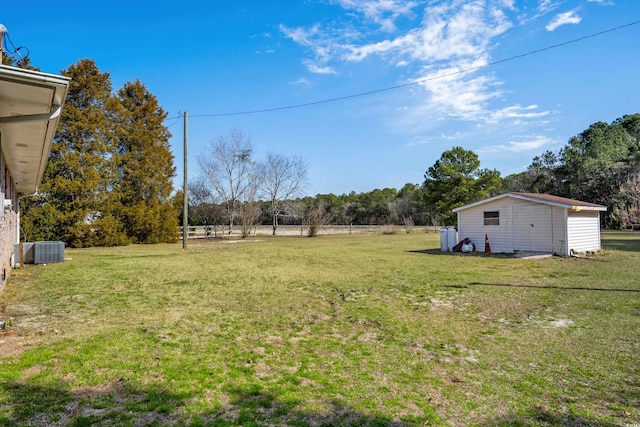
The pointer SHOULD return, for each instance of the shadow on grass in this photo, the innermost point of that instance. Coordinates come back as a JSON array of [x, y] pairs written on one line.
[[621, 240], [564, 288], [116, 404], [618, 240], [124, 405], [540, 417], [619, 408], [622, 245], [258, 408], [434, 252], [473, 254]]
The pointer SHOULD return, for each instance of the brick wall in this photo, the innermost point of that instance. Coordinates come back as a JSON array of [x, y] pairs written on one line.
[[8, 230], [8, 221]]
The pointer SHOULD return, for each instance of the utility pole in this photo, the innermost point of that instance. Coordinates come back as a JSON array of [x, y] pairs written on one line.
[[185, 196]]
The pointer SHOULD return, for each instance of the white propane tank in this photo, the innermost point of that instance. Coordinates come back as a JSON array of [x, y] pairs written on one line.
[[443, 239], [451, 238]]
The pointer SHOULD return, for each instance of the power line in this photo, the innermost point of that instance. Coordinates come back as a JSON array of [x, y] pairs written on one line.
[[6, 41], [417, 82], [175, 120]]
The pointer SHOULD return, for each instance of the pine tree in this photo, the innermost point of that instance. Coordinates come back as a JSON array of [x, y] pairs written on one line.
[[144, 167], [79, 173]]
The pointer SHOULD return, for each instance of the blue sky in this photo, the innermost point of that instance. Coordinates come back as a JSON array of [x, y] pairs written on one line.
[[215, 57]]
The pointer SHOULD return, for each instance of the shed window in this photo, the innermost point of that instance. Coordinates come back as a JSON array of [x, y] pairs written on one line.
[[492, 218]]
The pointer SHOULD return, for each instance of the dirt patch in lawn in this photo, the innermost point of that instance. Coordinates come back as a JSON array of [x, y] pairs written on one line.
[[12, 345]]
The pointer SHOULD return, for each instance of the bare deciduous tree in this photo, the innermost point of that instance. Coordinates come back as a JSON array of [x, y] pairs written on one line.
[[317, 216], [205, 210], [229, 171], [283, 179], [295, 209]]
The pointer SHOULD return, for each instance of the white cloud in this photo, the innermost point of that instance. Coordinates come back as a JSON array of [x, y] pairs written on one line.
[[447, 32], [546, 6], [602, 2], [418, 140], [533, 143], [382, 12], [317, 69], [302, 36], [461, 95], [300, 81], [517, 112], [451, 37], [560, 19], [325, 42], [358, 53], [428, 139]]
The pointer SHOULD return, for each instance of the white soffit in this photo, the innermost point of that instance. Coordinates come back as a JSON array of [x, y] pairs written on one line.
[[30, 107]]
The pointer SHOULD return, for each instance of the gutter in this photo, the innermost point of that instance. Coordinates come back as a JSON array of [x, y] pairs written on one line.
[[31, 76], [57, 110]]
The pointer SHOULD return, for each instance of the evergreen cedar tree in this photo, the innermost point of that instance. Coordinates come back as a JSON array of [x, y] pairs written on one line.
[[108, 180]]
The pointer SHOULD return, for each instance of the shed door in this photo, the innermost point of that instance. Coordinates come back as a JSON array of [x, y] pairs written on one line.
[[532, 228]]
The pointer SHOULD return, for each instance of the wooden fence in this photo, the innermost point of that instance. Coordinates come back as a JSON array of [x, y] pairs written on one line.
[[222, 232]]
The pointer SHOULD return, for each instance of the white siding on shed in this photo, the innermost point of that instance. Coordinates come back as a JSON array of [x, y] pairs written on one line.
[[584, 231], [531, 222], [532, 228], [515, 232], [471, 225], [559, 231]]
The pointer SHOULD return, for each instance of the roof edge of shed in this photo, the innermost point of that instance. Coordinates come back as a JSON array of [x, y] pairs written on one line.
[[547, 199]]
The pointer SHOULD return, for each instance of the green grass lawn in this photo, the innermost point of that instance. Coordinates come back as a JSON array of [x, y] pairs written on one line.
[[368, 330]]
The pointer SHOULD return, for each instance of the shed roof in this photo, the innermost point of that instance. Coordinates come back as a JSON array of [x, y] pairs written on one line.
[[546, 199], [30, 107]]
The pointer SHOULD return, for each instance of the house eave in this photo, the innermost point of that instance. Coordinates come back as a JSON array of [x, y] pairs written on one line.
[[30, 106]]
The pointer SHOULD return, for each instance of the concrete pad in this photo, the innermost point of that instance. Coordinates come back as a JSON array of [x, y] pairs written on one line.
[[532, 255]]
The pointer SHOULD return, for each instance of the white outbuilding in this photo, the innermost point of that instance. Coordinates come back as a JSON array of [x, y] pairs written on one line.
[[515, 222]]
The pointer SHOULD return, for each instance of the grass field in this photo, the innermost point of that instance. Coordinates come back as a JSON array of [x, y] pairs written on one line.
[[361, 330]]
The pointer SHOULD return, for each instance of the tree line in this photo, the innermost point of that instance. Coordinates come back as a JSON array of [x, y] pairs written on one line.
[[600, 165], [455, 179], [109, 177]]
